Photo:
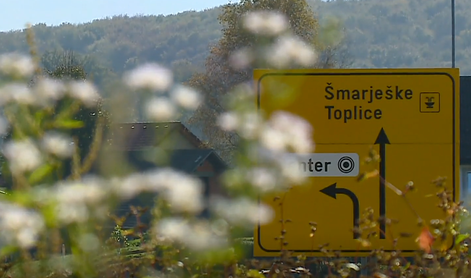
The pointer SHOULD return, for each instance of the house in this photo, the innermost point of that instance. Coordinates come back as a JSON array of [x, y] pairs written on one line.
[[148, 146]]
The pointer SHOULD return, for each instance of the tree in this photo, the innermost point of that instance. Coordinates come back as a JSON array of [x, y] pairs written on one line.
[[61, 63], [220, 76], [88, 123], [68, 66], [333, 44], [65, 65]]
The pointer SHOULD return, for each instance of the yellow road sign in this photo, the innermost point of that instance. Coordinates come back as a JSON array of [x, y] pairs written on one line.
[[409, 116]]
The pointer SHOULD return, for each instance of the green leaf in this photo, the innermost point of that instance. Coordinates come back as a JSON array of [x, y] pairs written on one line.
[[39, 116], [8, 250], [21, 198], [49, 214], [255, 274], [70, 124], [40, 173], [460, 238]]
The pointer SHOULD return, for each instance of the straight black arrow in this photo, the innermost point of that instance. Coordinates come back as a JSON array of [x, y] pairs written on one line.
[[332, 191], [382, 140]]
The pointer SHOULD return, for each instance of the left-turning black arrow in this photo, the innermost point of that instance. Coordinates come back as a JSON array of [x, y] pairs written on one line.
[[332, 191]]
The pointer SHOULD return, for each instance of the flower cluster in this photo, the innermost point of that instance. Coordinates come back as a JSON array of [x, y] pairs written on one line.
[[182, 191], [197, 235], [38, 145], [157, 80], [286, 50], [77, 201], [45, 91], [270, 144], [20, 226]]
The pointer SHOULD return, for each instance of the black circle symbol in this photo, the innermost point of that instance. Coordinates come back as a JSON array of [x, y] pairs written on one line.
[[346, 164]]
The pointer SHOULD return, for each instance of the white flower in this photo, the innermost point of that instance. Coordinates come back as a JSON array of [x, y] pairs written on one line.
[[173, 228], [149, 76], [289, 49], [273, 139], [250, 125], [160, 109], [285, 131], [87, 191], [243, 211], [186, 97], [58, 144], [26, 238], [199, 236], [78, 200], [289, 169], [16, 64], [47, 89], [24, 95], [228, 121], [136, 183], [19, 225], [130, 186], [84, 91], [162, 179], [241, 58], [286, 165], [265, 22], [22, 155], [18, 92], [77, 213], [183, 192], [185, 195], [265, 179]]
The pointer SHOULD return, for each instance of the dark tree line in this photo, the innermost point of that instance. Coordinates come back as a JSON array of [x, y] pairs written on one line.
[[380, 34]]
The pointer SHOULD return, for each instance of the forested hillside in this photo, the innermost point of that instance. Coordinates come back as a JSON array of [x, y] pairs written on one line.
[[381, 34]]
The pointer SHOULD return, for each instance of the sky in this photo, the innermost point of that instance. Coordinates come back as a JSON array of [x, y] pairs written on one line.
[[14, 14]]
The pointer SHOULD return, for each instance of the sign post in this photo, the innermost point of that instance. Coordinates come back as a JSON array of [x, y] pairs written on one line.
[[410, 117]]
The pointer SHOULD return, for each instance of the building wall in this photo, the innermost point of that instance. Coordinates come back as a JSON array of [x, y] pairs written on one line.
[[215, 187], [465, 120]]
